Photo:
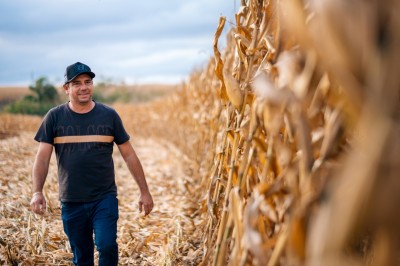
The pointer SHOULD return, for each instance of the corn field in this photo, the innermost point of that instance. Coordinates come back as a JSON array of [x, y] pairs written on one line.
[[283, 150]]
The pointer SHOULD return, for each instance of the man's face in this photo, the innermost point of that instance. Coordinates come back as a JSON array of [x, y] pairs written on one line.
[[80, 89]]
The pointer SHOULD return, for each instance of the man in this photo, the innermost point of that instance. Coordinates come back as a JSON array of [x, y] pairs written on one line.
[[83, 133]]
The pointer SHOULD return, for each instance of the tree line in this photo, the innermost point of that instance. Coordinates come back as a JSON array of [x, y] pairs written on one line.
[[43, 96]]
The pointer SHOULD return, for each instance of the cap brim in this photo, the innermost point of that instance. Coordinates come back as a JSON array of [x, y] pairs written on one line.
[[91, 74]]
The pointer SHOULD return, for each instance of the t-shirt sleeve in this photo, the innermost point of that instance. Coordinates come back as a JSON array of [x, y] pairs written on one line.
[[45, 132], [120, 134]]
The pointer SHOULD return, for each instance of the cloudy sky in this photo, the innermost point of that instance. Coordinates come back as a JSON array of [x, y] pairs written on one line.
[[123, 40]]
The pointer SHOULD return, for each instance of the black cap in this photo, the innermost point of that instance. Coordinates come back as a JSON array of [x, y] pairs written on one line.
[[76, 69]]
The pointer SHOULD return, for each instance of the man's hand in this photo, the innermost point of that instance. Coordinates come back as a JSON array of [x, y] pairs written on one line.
[[145, 203], [38, 203]]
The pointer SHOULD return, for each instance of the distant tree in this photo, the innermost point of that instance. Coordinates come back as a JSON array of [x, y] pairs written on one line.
[[44, 91], [44, 97]]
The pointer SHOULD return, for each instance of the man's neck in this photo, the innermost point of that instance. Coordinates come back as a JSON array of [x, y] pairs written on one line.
[[81, 108]]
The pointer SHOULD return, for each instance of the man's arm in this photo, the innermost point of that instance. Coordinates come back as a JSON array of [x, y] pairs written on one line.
[[39, 174], [136, 169]]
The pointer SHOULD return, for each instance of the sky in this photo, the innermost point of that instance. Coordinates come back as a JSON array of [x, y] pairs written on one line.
[[126, 41]]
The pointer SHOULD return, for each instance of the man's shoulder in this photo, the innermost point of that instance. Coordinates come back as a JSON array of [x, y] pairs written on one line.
[[105, 108], [59, 108]]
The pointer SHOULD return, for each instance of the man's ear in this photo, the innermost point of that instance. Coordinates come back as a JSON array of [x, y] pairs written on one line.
[[65, 86]]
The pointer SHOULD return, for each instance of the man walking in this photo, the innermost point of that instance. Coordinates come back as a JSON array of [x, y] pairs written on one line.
[[82, 133]]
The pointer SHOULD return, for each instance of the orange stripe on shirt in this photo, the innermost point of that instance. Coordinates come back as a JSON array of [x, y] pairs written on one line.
[[80, 139]]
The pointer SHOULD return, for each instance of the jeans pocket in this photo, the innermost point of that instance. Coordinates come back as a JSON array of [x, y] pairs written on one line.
[[71, 210], [113, 207], [64, 207]]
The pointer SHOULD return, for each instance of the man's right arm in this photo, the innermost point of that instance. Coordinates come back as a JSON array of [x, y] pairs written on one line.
[[39, 174]]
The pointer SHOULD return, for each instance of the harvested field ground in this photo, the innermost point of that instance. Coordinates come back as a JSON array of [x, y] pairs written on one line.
[[9, 94], [13, 93], [29, 239]]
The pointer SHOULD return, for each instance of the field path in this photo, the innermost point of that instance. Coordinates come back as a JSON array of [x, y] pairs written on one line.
[[157, 237], [152, 240]]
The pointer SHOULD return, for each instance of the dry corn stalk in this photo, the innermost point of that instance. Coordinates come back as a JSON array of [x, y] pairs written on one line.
[[305, 87]]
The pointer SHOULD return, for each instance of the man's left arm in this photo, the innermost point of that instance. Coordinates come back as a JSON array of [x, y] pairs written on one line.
[[136, 169]]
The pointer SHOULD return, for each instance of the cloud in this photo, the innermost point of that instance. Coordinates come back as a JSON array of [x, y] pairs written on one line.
[[124, 39]]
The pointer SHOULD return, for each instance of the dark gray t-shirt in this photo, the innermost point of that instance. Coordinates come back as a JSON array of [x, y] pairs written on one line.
[[84, 145]]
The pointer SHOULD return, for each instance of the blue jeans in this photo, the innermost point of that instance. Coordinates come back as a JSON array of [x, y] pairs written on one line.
[[81, 220]]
